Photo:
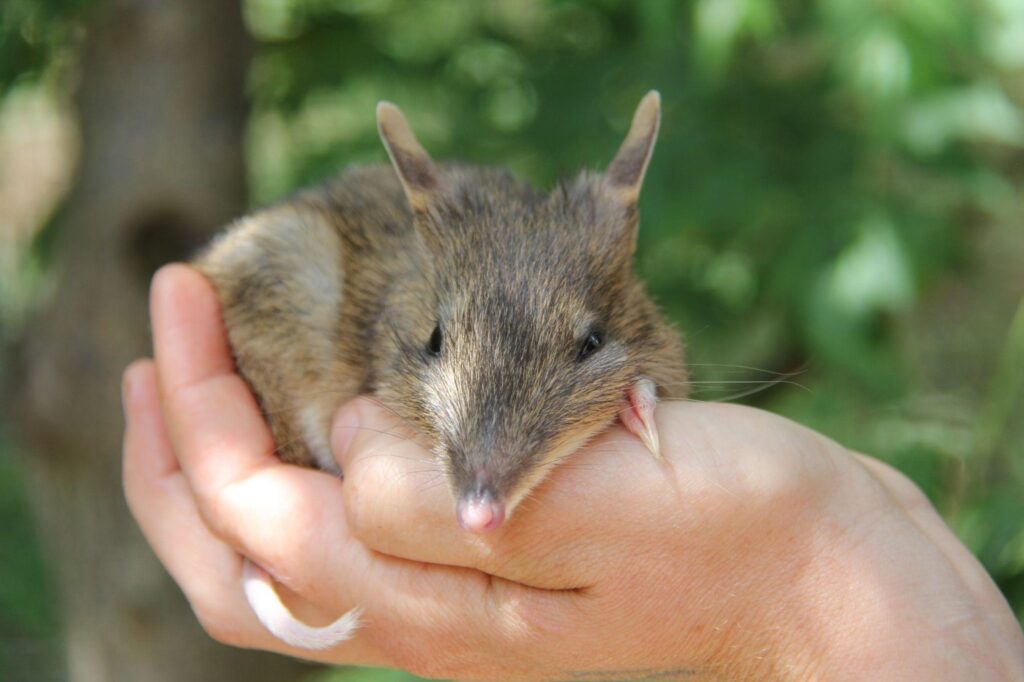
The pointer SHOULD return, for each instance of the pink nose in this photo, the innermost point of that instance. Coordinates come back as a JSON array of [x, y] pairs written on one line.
[[480, 514]]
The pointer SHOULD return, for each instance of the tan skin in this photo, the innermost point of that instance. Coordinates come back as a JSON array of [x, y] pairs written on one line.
[[758, 550]]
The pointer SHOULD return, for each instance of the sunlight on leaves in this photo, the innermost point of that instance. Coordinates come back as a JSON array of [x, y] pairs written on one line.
[[872, 274], [981, 112], [1005, 29], [721, 24], [879, 64]]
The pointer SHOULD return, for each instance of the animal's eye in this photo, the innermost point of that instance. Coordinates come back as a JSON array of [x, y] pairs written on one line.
[[436, 338], [590, 345]]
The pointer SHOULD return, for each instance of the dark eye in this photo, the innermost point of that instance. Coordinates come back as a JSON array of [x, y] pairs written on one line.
[[589, 346], [434, 345]]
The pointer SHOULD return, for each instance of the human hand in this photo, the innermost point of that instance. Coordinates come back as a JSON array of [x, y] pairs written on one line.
[[758, 550]]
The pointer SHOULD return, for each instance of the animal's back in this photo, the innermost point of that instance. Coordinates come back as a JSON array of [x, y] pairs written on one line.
[[302, 284], [299, 283]]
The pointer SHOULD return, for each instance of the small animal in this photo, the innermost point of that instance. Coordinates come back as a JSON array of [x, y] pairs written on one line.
[[505, 325]]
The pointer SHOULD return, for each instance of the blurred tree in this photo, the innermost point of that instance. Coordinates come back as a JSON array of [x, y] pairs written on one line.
[[161, 109]]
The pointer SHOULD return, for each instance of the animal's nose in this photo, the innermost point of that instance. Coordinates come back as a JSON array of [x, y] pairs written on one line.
[[480, 510]]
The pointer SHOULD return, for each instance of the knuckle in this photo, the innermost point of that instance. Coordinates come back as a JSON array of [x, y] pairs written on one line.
[[216, 506], [523, 619], [362, 490]]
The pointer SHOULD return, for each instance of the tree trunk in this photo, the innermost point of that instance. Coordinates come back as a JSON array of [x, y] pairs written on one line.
[[162, 110]]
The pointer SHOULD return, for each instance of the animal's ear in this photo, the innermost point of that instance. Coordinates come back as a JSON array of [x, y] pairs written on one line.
[[417, 172], [625, 174]]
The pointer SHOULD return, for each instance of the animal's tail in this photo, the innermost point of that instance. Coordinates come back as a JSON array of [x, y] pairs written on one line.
[[275, 616]]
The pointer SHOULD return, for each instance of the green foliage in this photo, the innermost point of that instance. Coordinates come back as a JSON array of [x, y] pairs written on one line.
[[34, 34]]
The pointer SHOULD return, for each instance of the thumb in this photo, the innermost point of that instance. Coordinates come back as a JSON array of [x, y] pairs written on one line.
[[364, 423]]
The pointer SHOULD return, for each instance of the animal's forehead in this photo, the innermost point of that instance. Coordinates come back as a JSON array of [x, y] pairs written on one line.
[[490, 207], [524, 251], [520, 304], [572, 231], [538, 261]]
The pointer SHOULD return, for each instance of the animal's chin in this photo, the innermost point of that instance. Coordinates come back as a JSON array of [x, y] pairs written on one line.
[[481, 509]]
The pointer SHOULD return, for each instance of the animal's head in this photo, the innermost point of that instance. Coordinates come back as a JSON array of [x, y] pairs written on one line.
[[530, 327]]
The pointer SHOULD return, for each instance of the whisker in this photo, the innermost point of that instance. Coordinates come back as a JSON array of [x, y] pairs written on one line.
[[432, 484], [377, 401], [712, 382], [757, 387], [749, 368], [764, 386], [392, 455], [383, 432], [430, 474]]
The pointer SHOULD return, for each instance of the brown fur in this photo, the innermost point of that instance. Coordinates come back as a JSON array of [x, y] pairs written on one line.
[[337, 292]]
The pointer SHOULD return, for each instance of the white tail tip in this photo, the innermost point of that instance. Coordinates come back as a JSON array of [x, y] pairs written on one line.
[[279, 621]]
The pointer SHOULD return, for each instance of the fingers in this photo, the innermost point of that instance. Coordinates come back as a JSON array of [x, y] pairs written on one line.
[[217, 432], [552, 540], [292, 522], [145, 433], [159, 499], [225, 450], [228, 495], [207, 569], [158, 494], [722, 465], [213, 421], [222, 443]]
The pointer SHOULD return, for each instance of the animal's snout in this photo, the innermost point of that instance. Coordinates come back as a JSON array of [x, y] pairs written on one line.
[[480, 510]]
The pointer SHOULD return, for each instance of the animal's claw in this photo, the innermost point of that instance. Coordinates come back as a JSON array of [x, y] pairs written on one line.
[[638, 414]]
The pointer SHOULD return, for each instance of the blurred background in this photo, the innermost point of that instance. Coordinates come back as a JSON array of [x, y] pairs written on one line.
[[834, 216]]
